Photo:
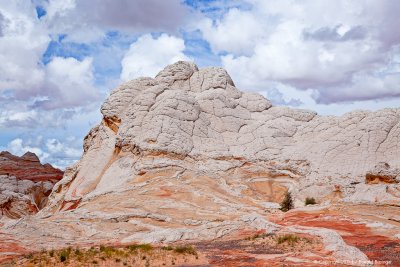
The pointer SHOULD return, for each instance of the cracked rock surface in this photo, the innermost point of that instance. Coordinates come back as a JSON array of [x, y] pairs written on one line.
[[197, 120]]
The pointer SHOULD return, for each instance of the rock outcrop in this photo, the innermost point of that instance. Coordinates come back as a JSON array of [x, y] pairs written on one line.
[[187, 156], [383, 173], [25, 184]]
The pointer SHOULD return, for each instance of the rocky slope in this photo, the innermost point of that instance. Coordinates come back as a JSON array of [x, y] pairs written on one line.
[[24, 184], [187, 157]]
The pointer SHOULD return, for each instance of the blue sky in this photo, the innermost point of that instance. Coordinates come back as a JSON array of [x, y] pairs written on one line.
[[61, 58]]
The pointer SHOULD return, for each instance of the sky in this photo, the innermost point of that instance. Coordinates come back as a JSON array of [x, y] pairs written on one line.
[[59, 59]]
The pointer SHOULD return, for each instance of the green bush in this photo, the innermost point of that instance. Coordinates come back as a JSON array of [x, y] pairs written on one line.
[[310, 201], [64, 255], [287, 203]]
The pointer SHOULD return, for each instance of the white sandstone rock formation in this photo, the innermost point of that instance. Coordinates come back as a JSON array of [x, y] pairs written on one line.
[[196, 121]]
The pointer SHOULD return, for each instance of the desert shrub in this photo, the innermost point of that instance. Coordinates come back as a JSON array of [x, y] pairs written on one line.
[[256, 236], [78, 252], [185, 250], [63, 258], [108, 251], [64, 254], [310, 201], [287, 203], [288, 238], [144, 247], [167, 248]]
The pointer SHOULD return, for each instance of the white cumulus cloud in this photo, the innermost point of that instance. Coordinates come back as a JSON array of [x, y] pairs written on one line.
[[148, 55], [342, 50], [100, 16]]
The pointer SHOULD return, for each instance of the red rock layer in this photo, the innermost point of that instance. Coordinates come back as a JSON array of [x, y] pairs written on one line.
[[378, 248], [28, 167], [9, 248]]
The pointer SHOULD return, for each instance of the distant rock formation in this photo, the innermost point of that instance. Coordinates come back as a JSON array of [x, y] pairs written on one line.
[[24, 184]]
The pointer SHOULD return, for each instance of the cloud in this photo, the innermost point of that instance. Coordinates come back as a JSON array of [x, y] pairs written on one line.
[[66, 90], [341, 50], [2, 24], [237, 32], [336, 34], [368, 87], [148, 55], [69, 83], [99, 16], [54, 146], [24, 39], [278, 98], [30, 89]]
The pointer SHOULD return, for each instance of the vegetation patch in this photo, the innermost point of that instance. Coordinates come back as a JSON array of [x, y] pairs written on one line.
[[185, 250], [288, 238], [132, 255], [144, 247], [262, 235], [310, 201], [287, 203]]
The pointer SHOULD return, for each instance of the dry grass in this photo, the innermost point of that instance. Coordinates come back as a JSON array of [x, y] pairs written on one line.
[[283, 242], [133, 255], [288, 238]]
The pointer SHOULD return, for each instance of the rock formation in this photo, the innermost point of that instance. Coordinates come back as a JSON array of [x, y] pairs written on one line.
[[190, 120], [382, 172], [186, 156], [24, 184]]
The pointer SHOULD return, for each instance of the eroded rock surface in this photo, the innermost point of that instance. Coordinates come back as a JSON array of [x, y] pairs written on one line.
[[24, 184], [383, 173], [197, 120]]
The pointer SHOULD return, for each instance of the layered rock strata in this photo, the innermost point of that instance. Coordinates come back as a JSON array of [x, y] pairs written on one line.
[[25, 184]]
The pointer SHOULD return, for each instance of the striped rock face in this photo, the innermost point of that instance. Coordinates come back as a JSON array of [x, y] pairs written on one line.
[[186, 157], [25, 184]]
